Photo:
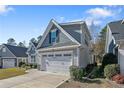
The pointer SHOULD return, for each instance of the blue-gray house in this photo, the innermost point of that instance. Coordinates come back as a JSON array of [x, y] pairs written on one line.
[[64, 45], [10, 55], [115, 36]]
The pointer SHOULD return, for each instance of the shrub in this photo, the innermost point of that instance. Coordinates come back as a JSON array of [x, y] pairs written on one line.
[[27, 67], [89, 68], [77, 73], [96, 73], [111, 70], [21, 63], [109, 58], [118, 79], [33, 65]]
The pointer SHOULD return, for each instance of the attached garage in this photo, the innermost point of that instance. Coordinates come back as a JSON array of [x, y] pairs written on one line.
[[57, 62], [8, 63]]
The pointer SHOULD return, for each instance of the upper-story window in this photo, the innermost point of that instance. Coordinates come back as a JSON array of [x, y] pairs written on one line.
[[54, 36], [4, 49]]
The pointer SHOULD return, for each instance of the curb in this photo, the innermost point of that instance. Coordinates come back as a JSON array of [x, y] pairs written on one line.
[[62, 82]]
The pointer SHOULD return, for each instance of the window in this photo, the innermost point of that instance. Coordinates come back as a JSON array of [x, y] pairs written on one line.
[[67, 54], [4, 49], [50, 55], [58, 55], [44, 55], [33, 59], [53, 36]]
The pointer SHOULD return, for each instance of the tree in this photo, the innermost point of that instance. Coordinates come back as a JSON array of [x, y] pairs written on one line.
[[11, 41], [33, 40], [21, 44], [39, 38], [99, 45]]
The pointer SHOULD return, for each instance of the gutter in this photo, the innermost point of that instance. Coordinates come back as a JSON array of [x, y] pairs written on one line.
[[58, 48]]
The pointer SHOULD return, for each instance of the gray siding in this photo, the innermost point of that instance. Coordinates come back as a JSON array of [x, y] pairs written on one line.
[[84, 57], [62, 39], [7, 53], [74, 31]]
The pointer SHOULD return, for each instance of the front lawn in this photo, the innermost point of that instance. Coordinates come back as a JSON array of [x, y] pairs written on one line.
[[11, 72]]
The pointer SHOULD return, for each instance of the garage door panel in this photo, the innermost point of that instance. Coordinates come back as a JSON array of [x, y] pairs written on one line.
[[58, 63], [8, 63]]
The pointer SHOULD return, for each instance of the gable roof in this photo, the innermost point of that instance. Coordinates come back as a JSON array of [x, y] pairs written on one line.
[[117, 29], [74, 36], [17, 50], [51, 23]]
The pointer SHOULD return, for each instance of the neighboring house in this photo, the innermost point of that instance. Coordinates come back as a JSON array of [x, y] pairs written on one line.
[[10, 56], [31, 52], [63, 45], [115, 41], [115, 37]]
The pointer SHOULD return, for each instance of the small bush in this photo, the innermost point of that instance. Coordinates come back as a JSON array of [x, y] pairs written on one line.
[[118, 79], [27, 67], [21, 63], [109, 58], [76, 73], [33, 65], [96, 73], [89, 68], [111, 70]]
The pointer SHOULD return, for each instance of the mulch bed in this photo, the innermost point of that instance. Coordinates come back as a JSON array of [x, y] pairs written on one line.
[[90, 83]]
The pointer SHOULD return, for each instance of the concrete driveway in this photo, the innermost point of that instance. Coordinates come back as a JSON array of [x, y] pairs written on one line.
[[34, 79]]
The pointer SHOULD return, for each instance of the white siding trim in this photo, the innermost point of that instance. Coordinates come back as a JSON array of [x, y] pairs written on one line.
[[64, 47], [78, 56]]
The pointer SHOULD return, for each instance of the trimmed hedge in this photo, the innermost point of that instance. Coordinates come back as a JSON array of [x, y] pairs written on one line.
[[77, 73], [111, 70]]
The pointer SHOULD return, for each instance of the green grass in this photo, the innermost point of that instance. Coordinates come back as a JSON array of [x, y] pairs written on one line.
[[11, 72]]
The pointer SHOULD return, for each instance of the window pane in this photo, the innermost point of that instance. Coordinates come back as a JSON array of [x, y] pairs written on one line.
[[67, 54]]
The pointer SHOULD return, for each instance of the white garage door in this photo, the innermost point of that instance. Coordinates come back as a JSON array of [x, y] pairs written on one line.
[[8, 63], [58, 62]]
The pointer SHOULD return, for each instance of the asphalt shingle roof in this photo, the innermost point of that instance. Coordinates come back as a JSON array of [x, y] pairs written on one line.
[[17, 50], [117, 29]]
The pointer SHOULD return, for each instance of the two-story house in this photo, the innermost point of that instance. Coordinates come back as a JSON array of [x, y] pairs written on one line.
[[32, 53], [63, 45], [115, 41]]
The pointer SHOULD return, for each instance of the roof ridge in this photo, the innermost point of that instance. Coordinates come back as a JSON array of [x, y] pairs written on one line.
[[14, 46], [116, 21], [72, 22]]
